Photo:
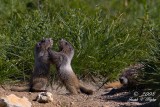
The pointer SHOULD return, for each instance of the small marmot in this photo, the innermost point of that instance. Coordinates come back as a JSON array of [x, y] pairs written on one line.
[[128, 79], [62, 61]]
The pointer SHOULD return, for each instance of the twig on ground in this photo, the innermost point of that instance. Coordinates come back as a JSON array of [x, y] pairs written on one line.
[[3, 87], [103, 84]]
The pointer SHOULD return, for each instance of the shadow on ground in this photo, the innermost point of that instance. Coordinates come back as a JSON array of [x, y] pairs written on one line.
[[124, 96]]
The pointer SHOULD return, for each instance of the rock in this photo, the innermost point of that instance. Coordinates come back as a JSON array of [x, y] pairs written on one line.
[[71, 103], [44, 97], [14, 101]]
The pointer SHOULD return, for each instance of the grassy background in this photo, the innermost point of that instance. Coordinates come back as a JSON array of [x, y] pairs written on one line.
[[108, 35]]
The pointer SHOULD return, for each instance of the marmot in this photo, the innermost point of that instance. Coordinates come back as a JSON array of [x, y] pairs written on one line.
[[128, 78], [41, 74], [62, 61], [130, 74]]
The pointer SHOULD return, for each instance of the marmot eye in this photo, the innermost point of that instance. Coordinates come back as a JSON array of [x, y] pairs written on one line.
[[66, 43]]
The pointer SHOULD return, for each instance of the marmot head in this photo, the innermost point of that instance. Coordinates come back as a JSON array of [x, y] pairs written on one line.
[[42, 47], [44, 44], [66, 48], [130, 74]]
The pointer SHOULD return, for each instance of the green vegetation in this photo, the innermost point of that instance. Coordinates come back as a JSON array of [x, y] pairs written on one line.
[[108, 35]]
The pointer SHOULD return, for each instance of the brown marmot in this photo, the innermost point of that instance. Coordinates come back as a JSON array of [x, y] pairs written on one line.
[[128, 78], [41, 74], [62, 61]]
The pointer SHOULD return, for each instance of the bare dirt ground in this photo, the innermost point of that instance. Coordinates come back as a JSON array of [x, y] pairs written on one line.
[[62, 99]]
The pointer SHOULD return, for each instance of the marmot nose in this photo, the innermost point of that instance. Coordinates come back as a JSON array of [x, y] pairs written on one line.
[[121, 80]]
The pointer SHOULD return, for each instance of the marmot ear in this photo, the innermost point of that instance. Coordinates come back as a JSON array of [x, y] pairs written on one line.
[[43, 40]]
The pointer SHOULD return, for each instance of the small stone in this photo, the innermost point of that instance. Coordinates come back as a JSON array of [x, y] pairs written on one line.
[[72, 103], [44, 97]]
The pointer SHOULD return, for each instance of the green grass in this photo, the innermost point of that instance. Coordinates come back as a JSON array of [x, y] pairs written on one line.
[[107, 34]]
